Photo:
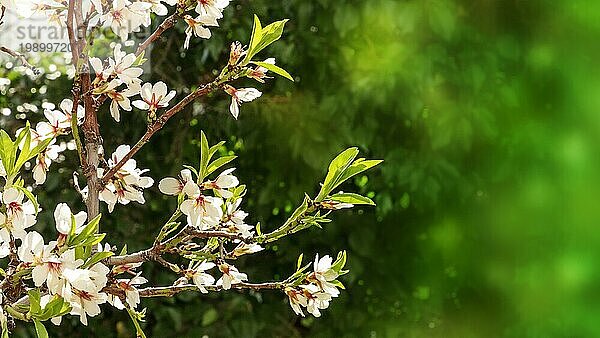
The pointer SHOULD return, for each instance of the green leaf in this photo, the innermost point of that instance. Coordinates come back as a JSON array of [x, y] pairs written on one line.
[[34, 301], [351, 198], [56, 307], [90, 229], [336, 169], [204, 157], [166, 230], [4, 326], [358, 167], [218, 163], [299, 263], [256, 36], [340, 262], [263, 37], [40, 329], [258, 230], [97, 257], [338, 284], [270, 34], [215, 148], [25, 151], [275, 69], [6, 150], [140, 59], [93, 240], [342, 168]]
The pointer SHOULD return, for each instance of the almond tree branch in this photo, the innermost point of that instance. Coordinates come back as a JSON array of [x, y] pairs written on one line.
[[71, 33], [159, 123], [138, 257], [170, 291], [19, 56], [168, 23], [154, 253], [218, 234]]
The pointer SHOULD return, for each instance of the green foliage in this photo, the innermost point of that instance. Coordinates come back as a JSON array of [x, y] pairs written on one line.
[[342, 168], [262, 37], [14, 154], [56, 307]]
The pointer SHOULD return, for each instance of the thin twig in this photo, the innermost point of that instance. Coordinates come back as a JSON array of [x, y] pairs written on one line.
[[170, 291], [168, 23], [154, 253], [21, 57], [217, 234]]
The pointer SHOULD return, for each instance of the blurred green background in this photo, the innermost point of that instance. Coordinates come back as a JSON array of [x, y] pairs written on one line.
[[486, 113]]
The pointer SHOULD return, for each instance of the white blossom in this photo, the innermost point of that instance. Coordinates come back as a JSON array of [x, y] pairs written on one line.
[[197, 27], [4, 242], [201, 278], [19, 215], [247, 249], [323, 275], [231, 276], [154, 97], [297, 300], [122, 66], [63, 219], [239, 96], [158, 8], [132, 295], [174, 186], [203, 211], [223, 182], [213, 8], [260, 73], [127, 184], [43, 162], [233, 220], [85, 303], [124, 17], [120, 98], [316, 299]]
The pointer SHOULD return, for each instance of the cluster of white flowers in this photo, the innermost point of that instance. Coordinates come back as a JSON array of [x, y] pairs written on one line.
[[209, 11], [127, 16], [47, 132], [56, 267], [127, 184], [230, 275], [220, 212], [52, 265], [204, 212], [318, 292], [119, 79]]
